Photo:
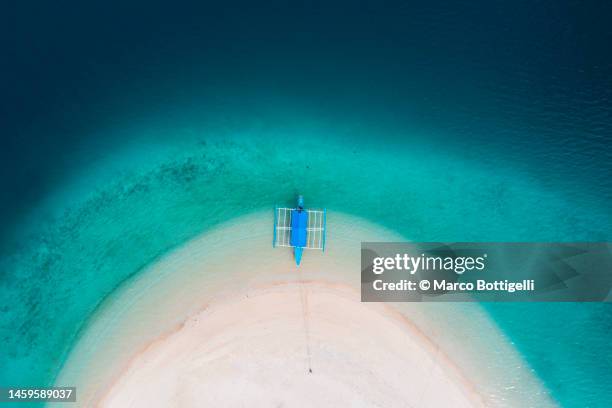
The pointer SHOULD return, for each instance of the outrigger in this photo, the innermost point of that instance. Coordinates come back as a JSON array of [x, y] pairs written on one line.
[[299, 228]]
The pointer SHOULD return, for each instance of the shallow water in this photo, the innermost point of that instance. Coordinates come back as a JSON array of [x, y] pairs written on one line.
[[60, 276], [471, 122]]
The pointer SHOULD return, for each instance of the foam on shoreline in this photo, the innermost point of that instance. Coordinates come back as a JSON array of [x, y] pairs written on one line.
[[233, 268]]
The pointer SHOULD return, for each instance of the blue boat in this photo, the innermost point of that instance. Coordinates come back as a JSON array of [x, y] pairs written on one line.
[[299, 228]]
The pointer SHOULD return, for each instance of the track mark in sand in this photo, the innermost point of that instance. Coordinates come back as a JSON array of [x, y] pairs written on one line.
[[306, 318]]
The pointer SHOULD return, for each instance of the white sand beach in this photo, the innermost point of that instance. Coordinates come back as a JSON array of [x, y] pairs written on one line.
[[226, 320]]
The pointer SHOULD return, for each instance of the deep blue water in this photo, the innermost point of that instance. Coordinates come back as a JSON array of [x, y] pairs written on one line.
[[505, 107]]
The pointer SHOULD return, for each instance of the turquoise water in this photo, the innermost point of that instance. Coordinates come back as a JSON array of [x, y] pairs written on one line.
[[138, 210], [129, 128]]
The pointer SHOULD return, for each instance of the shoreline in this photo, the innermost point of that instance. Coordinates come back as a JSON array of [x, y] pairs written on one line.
[[321, 305], [163, 299]]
